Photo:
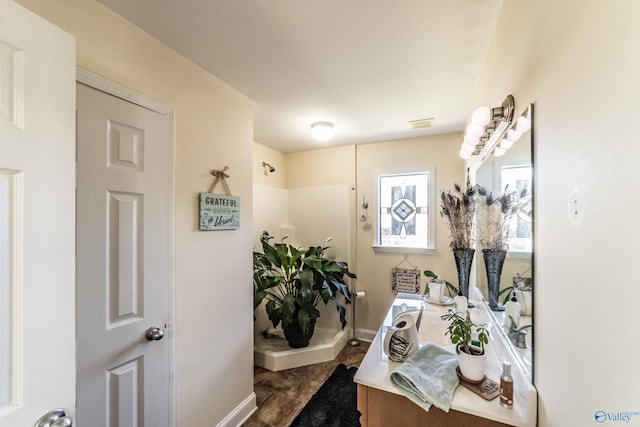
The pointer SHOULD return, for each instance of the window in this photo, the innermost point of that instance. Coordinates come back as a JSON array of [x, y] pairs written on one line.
[[404, 219], [520, 234]]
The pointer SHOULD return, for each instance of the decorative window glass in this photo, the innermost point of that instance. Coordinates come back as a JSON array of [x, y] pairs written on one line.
[[521, 232], [404, 213]]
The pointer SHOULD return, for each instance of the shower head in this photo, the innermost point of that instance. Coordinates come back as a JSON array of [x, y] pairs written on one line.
[[271, 168]]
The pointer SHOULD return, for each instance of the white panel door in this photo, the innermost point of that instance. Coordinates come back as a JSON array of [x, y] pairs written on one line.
[[37, 218], [123, 246]]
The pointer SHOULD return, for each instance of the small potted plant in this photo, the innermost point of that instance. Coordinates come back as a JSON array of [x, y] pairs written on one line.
[[451, 288], [469, 339]]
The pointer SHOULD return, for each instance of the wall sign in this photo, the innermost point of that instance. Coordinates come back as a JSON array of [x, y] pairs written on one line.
[[219, 212], [405, 280]]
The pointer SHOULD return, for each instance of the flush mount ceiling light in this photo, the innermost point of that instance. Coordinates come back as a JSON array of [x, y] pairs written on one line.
[[322, 131]]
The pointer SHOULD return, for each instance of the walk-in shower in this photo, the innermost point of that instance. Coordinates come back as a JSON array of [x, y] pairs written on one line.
[[308, 216]]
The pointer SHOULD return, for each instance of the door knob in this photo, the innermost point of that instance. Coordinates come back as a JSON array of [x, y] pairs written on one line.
[[154, 334], [55, 418]]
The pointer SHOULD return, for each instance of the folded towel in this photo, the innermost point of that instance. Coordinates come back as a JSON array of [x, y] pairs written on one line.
[[428, 377]]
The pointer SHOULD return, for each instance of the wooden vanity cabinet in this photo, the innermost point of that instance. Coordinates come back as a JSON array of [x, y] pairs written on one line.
[[383, 409]]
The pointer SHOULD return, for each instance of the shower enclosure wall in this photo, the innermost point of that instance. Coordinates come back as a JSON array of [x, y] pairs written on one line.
[[308, 216]]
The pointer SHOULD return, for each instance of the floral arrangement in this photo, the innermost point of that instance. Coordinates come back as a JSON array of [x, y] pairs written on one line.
[[458, 208], [498, 211]]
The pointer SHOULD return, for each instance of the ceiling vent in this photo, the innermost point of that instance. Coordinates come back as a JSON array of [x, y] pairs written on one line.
[[422, 123]]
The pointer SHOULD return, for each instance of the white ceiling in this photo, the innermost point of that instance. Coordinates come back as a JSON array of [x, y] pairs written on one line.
[[368, 66]]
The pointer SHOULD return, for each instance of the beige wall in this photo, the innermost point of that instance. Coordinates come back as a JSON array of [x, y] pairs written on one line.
[[579, 61], [261, 176], [213, 129], [374, 268], [329, 166]]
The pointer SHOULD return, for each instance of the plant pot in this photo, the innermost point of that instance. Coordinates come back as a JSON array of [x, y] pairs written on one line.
[[464, 260], [525, 298], [471, 365], [493, 262], [296, 338]]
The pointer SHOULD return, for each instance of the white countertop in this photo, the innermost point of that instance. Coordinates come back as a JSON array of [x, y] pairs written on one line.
[[375, 369]]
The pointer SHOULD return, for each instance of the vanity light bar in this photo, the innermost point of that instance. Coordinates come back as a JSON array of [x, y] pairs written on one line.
[[487, 128], [493, 141], [511, 134]]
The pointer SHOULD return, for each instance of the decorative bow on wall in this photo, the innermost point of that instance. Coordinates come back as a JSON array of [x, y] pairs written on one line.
[[221, 176]]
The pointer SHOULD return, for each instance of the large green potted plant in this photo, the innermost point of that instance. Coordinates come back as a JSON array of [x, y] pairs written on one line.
[[293, 282]]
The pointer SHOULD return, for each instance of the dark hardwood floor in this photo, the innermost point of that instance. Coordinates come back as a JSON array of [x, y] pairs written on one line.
[[282, 395]]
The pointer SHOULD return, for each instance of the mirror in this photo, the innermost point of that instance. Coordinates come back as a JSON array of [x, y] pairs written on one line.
[[515, 168]]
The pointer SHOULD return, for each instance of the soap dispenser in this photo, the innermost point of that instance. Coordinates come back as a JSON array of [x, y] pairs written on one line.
[[460, 303], [512, 309]]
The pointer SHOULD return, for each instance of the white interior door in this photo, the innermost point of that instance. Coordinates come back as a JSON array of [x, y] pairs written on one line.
[[123, 257], [37, 218]]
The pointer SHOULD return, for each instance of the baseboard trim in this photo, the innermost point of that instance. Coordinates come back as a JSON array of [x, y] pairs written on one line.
[[241, 413], [365, 334]]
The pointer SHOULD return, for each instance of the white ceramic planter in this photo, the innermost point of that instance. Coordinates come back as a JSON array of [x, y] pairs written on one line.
[[472, 366], [524, 298]]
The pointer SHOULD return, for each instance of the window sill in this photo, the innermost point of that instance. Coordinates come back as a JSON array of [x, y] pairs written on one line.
[[519, 254], [403, 250]]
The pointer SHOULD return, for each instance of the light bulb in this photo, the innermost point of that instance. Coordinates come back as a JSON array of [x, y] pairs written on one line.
[[468, 148], [464, 155], [512, 135], [470, 140], [481, 116], [498, 152], [475, 130], [523, 124], [505, 144]]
